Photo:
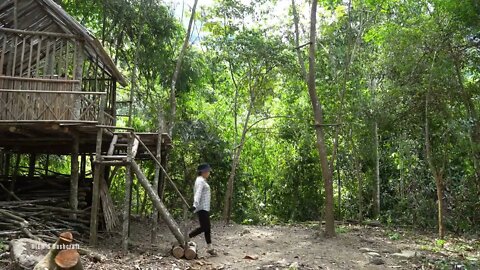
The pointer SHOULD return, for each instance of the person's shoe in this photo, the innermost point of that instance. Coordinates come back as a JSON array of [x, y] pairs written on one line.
[[211, 251]]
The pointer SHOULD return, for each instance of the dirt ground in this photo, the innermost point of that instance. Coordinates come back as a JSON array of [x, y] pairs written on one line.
[[285, 247]]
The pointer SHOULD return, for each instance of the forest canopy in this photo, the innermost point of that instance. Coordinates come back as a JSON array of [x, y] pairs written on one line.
[[398, 83]]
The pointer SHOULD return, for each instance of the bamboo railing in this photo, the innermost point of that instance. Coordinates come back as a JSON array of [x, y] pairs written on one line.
[[41, 105]]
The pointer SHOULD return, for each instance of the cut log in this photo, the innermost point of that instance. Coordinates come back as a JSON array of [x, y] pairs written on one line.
[[69, 259], [48, 262], [171, 223], [191, 251], [178, 252]]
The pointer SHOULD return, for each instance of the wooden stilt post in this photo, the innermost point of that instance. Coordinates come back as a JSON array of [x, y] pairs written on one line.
[[161, 184], [14, 176], [155, 185], [31, 165], [96, 177], [127, 203], [74, 176], [47, 161], [83, 167], [2, 162], [8, 157], [106, 174]]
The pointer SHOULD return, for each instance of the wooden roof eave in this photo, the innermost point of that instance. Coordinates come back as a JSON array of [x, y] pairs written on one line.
[[90, 41]]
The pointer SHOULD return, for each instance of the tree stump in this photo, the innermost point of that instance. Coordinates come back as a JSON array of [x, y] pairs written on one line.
[[62, 244], [69, 259]]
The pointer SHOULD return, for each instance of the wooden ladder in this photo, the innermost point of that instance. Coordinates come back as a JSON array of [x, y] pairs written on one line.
[[122, 152], [118, 150]]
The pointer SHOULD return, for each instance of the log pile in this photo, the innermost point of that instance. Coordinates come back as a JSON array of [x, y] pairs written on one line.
[[52, 187], [188, 251], [57, 190], [39, 208], [39, 219]]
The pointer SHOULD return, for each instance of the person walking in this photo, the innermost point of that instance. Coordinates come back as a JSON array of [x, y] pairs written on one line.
[[201, 206]]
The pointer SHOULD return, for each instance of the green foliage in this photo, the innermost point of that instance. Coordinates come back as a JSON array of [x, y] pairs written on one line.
[[378, 62], [394, 236]]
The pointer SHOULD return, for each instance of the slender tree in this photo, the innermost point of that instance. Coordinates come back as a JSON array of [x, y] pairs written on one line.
[[173, 87], [319, 127]]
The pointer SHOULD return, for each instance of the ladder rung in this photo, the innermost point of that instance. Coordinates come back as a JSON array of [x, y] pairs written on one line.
[[112, 162], [115, 157], [121, 144]]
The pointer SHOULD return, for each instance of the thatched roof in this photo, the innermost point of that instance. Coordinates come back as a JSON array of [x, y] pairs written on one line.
[[47, 16]]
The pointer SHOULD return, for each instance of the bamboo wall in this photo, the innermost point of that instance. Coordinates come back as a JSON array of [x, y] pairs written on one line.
[[45, 77]]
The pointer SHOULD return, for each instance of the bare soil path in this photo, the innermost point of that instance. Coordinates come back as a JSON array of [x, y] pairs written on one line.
[[290, 247]]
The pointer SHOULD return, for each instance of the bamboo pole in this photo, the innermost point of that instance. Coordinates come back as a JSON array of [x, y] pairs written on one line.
[[2, 56], [156, 180], [15, 14], [96, 178], [79, 58], [32, 33], [157, 203], [128, 196]]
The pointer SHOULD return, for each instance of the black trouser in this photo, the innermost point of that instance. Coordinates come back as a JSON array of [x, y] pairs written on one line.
[[204, 218]]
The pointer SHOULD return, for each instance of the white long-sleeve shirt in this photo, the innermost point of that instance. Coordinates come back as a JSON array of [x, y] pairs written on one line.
[[201, 197]]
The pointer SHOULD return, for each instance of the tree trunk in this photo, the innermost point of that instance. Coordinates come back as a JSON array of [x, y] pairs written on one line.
[[301, 62], [173, 100], [437, 175], [358, 175], [441, 205], [134, 79], [377, 170], [319, 128], [227, 208]]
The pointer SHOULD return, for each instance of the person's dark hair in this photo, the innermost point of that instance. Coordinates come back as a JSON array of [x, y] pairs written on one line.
[[203, 168]]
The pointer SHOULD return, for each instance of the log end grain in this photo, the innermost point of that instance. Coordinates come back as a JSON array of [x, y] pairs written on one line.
[[67, 258], [191, 251], [178, 252]]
